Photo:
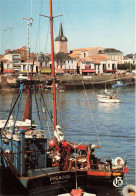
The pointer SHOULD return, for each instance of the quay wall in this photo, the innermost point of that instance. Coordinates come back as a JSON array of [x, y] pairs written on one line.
[[74, 81], [95, 81]]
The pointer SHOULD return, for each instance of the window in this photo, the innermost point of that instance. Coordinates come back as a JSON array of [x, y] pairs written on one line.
[[30, 67], [108, 65], [24, 67], [16, 64], [113, 66], [8, 67], [15, 56], [84, 54], [104, 66]]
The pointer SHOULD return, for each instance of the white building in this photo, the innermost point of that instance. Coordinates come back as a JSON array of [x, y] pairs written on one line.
[[64, 63], [108, 66], [87, 67], [11, 63], [97, 65], [128, 60], [114, 54], [27, 67]]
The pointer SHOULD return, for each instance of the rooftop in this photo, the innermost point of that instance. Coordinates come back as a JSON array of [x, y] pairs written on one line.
[[62, 56], [61, 37], [108, 50]]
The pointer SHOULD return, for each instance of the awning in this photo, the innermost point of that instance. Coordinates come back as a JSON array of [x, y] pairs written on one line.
[[45, 70], [88, 70], [8, 70], [59, 71], [70, 70], [110, 71]]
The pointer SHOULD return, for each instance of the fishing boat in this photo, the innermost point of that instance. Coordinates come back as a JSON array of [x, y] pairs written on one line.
[[31, 164], [120, 84]]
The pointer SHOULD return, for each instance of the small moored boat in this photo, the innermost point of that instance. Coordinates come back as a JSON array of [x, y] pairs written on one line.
[[120, 84]]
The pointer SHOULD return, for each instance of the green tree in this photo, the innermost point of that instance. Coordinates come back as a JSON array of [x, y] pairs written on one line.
[[126, 66]]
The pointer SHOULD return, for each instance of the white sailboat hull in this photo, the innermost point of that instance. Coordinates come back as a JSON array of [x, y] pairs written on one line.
[[108, 100]]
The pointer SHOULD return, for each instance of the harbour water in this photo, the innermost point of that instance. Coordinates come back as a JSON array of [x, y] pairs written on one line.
[[84, 119]]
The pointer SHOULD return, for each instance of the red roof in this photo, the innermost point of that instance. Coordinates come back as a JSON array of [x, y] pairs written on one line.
[[88, 70], [59, 71]]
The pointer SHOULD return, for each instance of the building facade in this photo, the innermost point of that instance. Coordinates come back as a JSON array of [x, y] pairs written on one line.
[[28, 67], [64, 63], [97, 65], [114, 54], [85, 52], [108, 66]]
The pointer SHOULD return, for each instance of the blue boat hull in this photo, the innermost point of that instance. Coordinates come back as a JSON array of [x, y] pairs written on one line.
[[120, 85]]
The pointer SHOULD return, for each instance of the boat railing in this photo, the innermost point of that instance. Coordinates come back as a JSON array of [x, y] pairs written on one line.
[[82, 164]]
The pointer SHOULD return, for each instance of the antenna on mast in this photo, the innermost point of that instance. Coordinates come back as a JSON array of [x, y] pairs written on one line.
[[28, 49], [29, 23], [31, 13]]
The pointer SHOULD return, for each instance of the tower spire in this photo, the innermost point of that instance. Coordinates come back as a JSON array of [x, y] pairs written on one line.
[[61, 30]]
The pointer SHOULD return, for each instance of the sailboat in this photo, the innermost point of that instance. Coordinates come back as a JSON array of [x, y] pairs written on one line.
[[108, 98], [30, 164]]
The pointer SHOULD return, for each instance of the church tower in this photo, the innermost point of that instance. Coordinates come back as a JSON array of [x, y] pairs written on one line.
[[61, 42]]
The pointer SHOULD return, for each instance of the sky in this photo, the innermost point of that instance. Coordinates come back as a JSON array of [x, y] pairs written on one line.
[[86, 23]]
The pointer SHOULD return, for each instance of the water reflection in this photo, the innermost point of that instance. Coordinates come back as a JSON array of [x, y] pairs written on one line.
[[108, 106]]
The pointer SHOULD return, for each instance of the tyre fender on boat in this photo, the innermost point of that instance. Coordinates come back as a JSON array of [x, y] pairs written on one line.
[[119, 161], [127, 189]]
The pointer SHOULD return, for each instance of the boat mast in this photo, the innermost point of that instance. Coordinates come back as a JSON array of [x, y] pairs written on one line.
[[52, 59], [28, 49], [28, 106], [53, 67]]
